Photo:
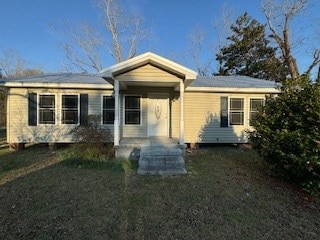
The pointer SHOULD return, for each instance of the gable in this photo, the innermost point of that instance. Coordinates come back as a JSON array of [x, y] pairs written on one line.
[[148, 72], [147, 68]]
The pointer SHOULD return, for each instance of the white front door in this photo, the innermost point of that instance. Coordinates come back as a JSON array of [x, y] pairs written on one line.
[[158, 104]]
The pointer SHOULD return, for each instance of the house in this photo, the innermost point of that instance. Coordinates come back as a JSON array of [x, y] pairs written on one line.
[[146, 96]]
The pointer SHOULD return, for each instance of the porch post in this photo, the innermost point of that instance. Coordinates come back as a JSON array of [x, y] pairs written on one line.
[[116, 113], [181, 136]]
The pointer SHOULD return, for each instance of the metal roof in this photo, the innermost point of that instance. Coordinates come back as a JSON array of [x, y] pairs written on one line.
[[73, 78], [232, 82]]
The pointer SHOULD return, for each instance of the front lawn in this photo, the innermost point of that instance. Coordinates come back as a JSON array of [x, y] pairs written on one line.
[[227, 194]]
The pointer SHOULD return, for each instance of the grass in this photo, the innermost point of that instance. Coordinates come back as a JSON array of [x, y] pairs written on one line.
[[227, 194]]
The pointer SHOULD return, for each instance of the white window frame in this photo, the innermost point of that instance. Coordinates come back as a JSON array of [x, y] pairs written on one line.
[[55, 108], [109, 96], [61, 109], [249, 106], [229, 111], [124, 109]]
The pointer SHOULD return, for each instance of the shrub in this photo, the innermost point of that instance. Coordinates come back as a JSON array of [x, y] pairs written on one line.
[[93, 148], [93, 141], [287, 134]]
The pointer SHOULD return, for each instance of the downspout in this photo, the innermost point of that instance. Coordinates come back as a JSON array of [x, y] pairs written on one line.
[[116, 114], [8, 117]]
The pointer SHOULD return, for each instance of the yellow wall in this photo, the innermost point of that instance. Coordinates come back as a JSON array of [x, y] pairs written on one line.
[[202, 118], [17, 124]]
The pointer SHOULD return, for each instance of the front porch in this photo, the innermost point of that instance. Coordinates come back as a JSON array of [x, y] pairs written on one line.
[[162, 77], [149, 103], [156, 155]]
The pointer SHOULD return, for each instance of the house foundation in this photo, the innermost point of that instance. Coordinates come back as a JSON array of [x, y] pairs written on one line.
[[16, 146]]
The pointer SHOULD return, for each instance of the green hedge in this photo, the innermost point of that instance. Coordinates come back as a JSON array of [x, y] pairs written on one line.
[[287, 134]]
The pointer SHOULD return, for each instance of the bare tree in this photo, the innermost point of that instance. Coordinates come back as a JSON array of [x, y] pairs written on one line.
[[13, 65], [197, 38], [119, 35], [84, 46], [10, 63], [126, 29], [222, 29], [279, 18], [200, 45]]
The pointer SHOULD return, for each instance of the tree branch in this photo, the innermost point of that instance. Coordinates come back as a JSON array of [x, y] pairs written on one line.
[[315, 62]]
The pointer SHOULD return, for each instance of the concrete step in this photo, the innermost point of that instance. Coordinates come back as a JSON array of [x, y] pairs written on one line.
[[161, 160]]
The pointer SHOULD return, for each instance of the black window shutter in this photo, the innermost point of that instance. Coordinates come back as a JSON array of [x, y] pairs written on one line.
[[224, 112], [32, 109], [84, 100]]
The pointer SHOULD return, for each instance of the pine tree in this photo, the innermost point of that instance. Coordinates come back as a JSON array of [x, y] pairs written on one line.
[[249, 52]]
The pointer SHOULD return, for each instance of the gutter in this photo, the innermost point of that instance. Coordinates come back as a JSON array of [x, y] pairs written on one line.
[[230, 89], [56, 85]]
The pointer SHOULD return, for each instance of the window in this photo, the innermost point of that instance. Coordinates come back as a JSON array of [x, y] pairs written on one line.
[[236, 111], [132, 110], [107, 110], [70, 109], [46, 109], [255, 105]]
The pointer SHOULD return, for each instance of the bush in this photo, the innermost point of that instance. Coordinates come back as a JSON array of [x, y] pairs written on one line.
[[93, 148], [287, 134], [93, 139]]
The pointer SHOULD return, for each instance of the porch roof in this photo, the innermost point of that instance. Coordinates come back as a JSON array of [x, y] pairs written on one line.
[[181, 72]]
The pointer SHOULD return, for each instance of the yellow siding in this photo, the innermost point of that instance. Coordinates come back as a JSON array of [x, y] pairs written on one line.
[[202, 118], [18, 129], [147, 72]]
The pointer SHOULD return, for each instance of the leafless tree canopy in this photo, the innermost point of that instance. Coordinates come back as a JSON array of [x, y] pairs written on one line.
[[84, 46], [126, 29], [13, 65], [279, 16], [200, 46], [120, 35], [196, 39]]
